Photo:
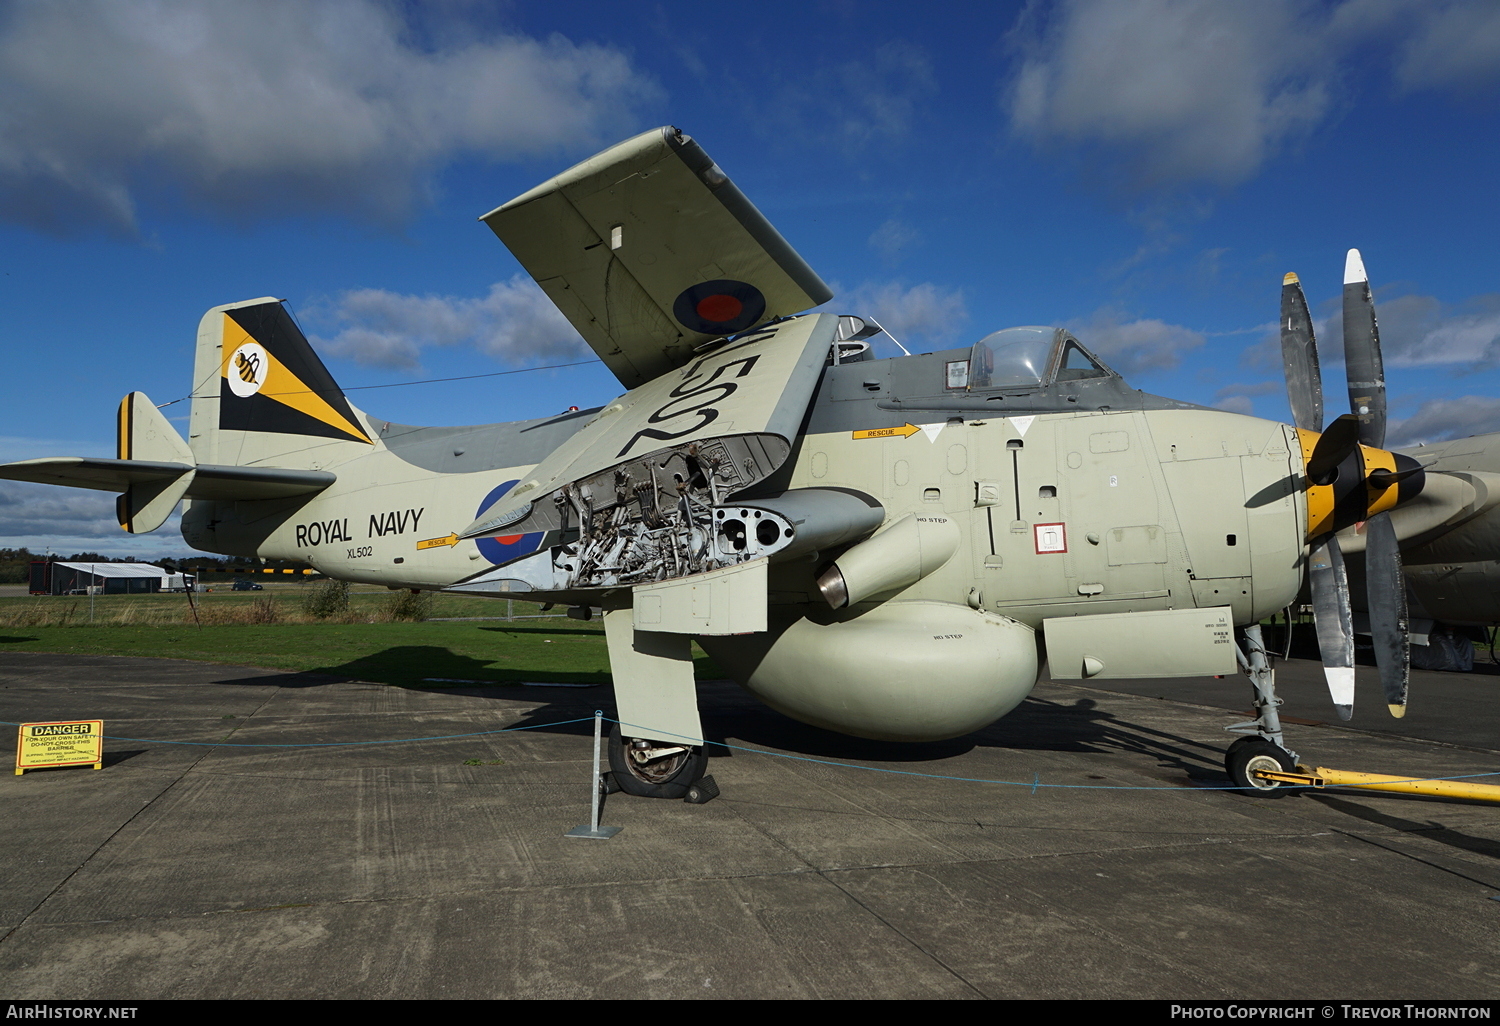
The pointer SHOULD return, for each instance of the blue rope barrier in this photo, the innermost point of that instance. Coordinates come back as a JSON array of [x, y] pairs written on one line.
[[1033, 786], [334, 744], [1036, 781]]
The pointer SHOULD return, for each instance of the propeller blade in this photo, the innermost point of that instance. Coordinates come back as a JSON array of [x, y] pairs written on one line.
[[1362, 353], [1388, 617], [1333, 448], [1299, 357], [1329, 584]]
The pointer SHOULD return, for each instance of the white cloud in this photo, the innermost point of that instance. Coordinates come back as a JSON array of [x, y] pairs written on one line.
[[1237, 404], [1438, 420], [1422, 331], [1189, 90], [1131, 347], [1419, 330], [1238, 397], [1453, 45], [275, 106], [67, 520], [514, 322], [924, 314]]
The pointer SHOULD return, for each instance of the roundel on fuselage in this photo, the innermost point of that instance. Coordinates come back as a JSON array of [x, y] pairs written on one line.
[[720, 307], [502, 548]]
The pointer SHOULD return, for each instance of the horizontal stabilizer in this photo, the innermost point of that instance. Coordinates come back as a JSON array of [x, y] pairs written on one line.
[[650, 251], [209, 481]]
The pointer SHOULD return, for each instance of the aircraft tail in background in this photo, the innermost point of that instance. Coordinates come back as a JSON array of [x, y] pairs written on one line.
[[267, 417]]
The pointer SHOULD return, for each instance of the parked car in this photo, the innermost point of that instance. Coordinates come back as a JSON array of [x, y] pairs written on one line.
[[240, 584]]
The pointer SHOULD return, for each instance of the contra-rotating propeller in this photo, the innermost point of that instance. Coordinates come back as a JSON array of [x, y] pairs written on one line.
[[1350, 479]]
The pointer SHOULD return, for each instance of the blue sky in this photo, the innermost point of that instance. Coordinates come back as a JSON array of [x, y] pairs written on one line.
[[1142, 171]]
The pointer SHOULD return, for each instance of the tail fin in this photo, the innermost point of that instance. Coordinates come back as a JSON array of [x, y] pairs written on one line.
[[260, 392]]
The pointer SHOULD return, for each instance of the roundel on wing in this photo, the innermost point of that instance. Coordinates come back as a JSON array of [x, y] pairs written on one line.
[[720, 307], [503, 548]]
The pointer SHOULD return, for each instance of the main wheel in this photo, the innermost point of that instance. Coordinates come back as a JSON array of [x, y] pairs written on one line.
[[654, 769], [1255, 753]]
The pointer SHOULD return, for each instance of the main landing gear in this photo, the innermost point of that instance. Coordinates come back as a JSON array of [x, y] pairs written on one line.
[[1261, 746], [659, 769]]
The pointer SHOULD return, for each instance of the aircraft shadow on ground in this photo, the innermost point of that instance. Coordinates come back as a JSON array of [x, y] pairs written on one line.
[[549, 631], [731, 716], [421, 666], [1430, 829]]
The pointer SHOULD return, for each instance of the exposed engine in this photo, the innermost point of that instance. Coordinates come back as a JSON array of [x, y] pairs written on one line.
[[658, 518]]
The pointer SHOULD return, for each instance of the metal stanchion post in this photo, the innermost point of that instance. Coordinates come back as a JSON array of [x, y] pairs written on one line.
[[592, 827]]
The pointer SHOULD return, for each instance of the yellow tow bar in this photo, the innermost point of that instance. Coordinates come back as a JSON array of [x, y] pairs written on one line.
[[1321, 776]]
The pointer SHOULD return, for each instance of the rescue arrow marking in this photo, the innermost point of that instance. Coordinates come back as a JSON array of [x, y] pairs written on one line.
[[905, 431], [432, 543]]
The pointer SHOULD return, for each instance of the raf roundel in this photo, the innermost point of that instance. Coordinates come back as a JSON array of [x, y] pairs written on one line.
[[502, 548], [246, 370], [720, 307]]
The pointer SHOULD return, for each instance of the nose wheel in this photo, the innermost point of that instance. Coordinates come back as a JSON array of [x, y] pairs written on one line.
[[1249, 754], [654, 769]]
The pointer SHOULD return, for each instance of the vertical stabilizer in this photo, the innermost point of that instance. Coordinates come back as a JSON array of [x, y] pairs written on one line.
[[261, 393]]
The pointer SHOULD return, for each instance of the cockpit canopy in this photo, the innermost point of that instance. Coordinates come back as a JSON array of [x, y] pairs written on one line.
[[1025, 358]]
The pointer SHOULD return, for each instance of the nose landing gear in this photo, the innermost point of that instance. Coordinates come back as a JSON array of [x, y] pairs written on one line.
[[1261, 746]]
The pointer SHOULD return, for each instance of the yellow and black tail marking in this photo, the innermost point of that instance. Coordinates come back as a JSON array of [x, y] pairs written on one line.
[[271, 380], [122, 431]]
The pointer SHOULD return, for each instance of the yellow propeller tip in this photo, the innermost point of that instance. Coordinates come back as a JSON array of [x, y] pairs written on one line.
[[1291, 278], [1397, 711]]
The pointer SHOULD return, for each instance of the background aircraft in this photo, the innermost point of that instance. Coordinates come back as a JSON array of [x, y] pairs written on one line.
[[888, 548]]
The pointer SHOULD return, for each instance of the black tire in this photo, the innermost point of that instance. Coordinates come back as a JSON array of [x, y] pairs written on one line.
[[1249, 753], [669, 776]]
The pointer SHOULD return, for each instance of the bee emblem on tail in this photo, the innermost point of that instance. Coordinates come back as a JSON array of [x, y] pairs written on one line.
[[246, 370], [248, 364]]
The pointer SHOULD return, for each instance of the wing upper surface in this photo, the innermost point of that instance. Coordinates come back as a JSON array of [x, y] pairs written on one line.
[[650, 251]]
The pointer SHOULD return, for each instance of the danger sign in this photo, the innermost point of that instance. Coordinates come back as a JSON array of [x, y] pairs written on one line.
[[60, 743]]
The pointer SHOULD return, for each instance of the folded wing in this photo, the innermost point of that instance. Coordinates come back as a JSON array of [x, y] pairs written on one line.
[[650, 251]]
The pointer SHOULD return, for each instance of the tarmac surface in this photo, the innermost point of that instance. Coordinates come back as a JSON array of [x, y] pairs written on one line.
[[408, 871]]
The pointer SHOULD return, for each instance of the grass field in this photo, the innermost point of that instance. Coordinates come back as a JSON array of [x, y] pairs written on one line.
[[271, 629]]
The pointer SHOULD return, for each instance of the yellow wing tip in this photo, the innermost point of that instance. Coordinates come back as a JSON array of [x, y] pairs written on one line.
[[1291, 278], [1397, 711]]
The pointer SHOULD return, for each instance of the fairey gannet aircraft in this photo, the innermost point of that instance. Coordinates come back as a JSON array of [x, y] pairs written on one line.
[[883, 547]]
